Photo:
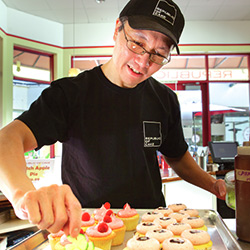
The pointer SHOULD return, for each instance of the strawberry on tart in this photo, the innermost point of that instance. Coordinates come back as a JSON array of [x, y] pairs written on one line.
[[101, 235], [99, 213], [87, 221]]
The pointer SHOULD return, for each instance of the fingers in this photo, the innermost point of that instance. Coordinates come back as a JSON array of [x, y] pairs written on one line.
[[31, 207], [74, 213], [53, 208], [220, 188]]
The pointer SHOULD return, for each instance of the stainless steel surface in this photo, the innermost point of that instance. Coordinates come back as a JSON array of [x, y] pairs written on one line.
[[221, 236]]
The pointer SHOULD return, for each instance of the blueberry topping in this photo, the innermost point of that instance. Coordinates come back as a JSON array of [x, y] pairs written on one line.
[[159, 231], [192, 218], [148, 224], [143, 238], [165, 218], [195, 231], [178, 241]]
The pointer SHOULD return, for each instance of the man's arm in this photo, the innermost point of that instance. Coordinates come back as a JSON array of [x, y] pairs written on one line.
[[187, 168], [53, 207]]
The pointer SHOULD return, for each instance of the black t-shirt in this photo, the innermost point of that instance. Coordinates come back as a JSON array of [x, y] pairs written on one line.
[[110, 136]]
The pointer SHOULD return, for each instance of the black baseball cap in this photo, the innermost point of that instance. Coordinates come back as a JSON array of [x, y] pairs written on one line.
[[163, 16]]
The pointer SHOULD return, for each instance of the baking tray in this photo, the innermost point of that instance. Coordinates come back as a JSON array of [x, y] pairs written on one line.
[[221, 236]]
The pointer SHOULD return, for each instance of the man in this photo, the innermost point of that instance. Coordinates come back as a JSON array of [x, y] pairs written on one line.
[[111, 120]]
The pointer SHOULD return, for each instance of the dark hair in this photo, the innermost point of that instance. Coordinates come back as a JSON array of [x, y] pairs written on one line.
[[123, 19]]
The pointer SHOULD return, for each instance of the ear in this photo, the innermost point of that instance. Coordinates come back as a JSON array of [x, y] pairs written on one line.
[[118, 23]]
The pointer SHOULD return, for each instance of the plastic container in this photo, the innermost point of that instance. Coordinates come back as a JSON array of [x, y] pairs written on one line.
[[230, 185], [242, 192]]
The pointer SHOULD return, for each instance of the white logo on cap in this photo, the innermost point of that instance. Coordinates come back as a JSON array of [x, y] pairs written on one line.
[[165, 11]]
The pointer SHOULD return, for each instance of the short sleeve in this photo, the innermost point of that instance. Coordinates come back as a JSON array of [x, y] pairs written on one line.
[[174, 144], [48, 116]]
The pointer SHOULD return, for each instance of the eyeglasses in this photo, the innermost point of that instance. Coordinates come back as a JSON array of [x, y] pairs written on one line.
[[138, 49]]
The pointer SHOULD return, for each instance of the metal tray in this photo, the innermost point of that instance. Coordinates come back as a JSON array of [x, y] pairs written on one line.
[[221, 236]]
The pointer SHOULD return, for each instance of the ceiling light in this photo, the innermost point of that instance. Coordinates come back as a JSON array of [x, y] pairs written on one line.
[[100, 1]]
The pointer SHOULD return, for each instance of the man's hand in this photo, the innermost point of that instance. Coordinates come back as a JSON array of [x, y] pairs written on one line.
[[53, 208], [220, 189]]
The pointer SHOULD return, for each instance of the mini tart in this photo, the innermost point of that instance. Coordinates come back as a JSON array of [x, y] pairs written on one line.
[[178, 228], [177, 207], [103, 242], [101, 238], [165, 221], [87, 221], [150, 216], [199, 238], [160, 234], [178, 216], [117, 225], [195, 223], [129, 216], [164, 210], [177, 244], [143, 227], [119, 236], [130, 222], [142, 243], [191, 212], [54, 238]]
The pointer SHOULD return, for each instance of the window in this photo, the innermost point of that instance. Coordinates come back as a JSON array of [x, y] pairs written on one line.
[[33, 73], [230, 111]]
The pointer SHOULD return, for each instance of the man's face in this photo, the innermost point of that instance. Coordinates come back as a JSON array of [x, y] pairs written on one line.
[[132, 68]]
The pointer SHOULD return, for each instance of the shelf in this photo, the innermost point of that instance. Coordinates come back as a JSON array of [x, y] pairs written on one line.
[[14, 225]]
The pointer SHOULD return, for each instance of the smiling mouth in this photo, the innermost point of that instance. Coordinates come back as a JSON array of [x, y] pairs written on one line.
[[137, 72]]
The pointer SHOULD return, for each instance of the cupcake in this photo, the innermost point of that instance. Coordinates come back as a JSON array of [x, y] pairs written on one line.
[[177, 207], [150, 216], [117, 225], [164, 210], [142, 243], [129, 216], [99, 213], [160, 234], [191, 212], [165, 221], [199, 238], [101, 234], [178, 216], [87, 221], [79, 243], [177, 244], [178, 228], [143, 227], [195, 223], [54, 238]]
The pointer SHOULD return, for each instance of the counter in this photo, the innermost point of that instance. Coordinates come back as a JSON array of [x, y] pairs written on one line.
[[168, 175]]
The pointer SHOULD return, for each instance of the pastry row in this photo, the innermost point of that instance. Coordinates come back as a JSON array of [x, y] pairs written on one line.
[[172, 227]]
